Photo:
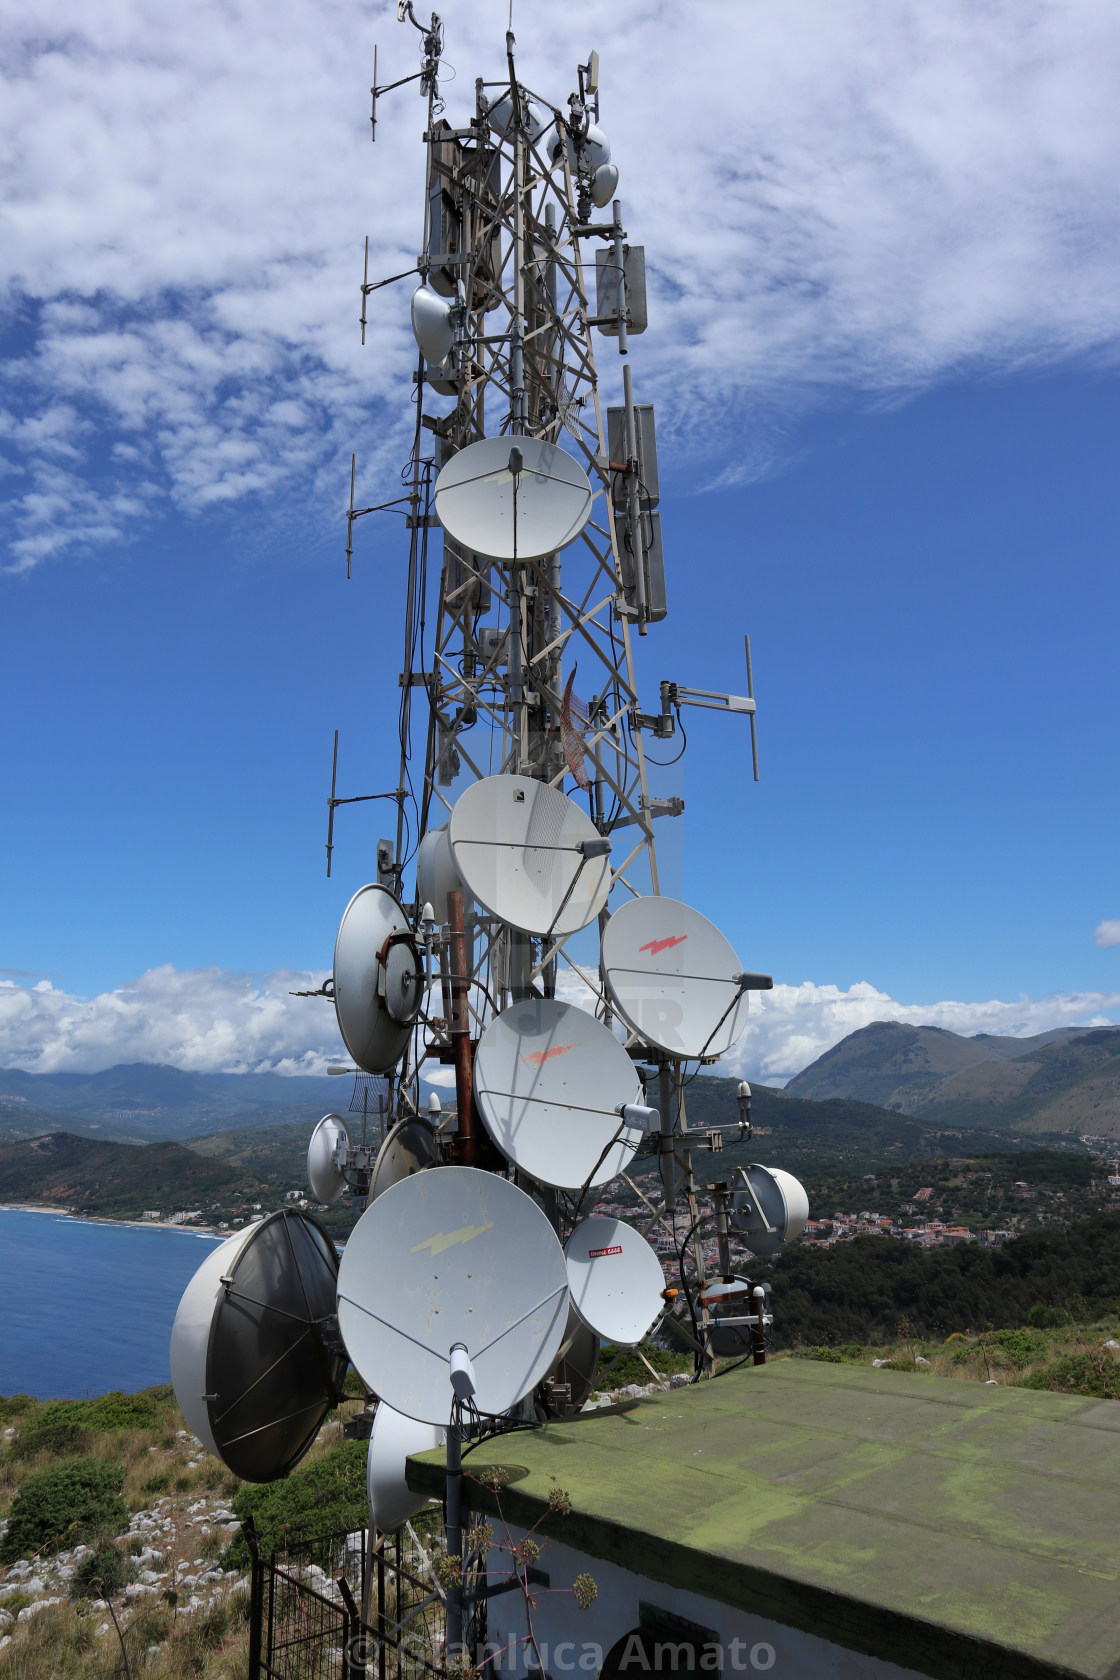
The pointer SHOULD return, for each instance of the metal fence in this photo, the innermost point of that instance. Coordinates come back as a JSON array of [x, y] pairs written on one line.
[[345, 1606]]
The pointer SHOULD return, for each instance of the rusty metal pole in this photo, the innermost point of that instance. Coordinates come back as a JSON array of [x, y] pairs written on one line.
[[460, 1027]]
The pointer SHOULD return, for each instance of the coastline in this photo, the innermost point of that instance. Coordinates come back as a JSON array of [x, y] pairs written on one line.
[[129, 1224]]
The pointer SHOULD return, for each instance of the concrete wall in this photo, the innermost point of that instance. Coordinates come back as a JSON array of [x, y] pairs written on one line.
[[575, 1642]]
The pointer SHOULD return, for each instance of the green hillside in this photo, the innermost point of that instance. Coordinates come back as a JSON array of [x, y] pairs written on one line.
[[120, 1180], [862, 1291]]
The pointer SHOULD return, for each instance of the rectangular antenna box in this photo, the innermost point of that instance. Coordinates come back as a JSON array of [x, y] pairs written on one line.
[[648, 487], [654, 558], [606, 289]]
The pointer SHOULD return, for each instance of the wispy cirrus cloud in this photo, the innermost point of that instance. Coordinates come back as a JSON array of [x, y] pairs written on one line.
[[210, 1020], [863, 199]]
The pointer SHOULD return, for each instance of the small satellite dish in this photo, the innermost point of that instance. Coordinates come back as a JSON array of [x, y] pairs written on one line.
[[452, 1255], [529, 854], [768, 1208], [615, 1280], [393, 1440], [550, 1082], [513, 498], [500, 117], [408, 1149], [673, 977], [436, 874], [378, 979], [254, 1360], [596, 149], [431, 324], [604, 183], [326, 1157]]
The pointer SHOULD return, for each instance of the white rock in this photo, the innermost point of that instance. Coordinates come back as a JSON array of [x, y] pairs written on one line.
[[878, 1362], [920, 1361], [1114, 1345], [149, 1577], [6, 1617], [100, 1604], [34, 1609], [6, 1640], [19, 1571], [199, 1505], [991, 1383], [138, 1589], [104, 1628]]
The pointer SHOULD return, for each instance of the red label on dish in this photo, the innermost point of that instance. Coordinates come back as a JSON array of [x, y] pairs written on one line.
[[597, 1253]]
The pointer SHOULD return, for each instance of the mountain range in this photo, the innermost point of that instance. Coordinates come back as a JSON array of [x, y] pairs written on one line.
[[1062, 1081], [140, 1102]]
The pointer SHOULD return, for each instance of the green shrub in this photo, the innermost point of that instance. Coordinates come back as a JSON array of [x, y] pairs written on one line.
[[326, 1496], [1042, 1317], [14, 1406], [629, 1368], [158, 1483], [100, 1575], [1080, 1373], [62, 1436], [1019, 1346], [848, 1353], [76, 1500]]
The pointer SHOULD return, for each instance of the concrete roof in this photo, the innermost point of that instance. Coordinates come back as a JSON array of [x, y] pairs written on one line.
[[914, 1518]]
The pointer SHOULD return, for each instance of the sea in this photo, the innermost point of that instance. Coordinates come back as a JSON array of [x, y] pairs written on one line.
[[86, 1307]]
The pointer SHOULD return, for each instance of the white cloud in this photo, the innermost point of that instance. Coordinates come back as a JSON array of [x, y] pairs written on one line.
[[204, 1020], [211, 1020], [870, 196], [1107, 933]]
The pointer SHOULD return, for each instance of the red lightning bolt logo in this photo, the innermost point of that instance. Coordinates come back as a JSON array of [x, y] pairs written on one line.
[[656, 946], [540, 1057]]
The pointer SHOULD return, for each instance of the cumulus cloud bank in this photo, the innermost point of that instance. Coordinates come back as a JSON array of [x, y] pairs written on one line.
[[867, 196], [210, 1020], [1107, 933]]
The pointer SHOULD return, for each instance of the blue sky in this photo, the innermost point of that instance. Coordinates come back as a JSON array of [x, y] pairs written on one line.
[[887, 395]]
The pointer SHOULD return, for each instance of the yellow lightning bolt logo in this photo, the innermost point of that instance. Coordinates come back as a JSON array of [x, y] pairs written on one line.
[[440, 1243]]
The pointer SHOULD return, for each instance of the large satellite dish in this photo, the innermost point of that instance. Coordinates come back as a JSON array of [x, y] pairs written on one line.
[[436, 874], [409, 1148], [254, 1360], [513, 498], [674, 978], [326, 1157], [452, 1255], [393, 1439], [550, 1081], [529, 854], [378, 979], [615, 1280], [769, 1207]]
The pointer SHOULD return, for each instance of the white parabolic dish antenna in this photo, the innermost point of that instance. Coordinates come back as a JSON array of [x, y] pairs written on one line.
[[325, 1155], [513, 498], [408, 1149], [253, 1359], [529, 854], [615, 1279], [549, 1080], [673, 977], [769, 1207], [393, 1439], [452, 1255], [378, 979], [436, 874]]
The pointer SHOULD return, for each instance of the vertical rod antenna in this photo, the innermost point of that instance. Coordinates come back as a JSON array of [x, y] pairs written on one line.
[[373, 100], [350, 516], [365, 290], [331, 803], [750, 696]]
